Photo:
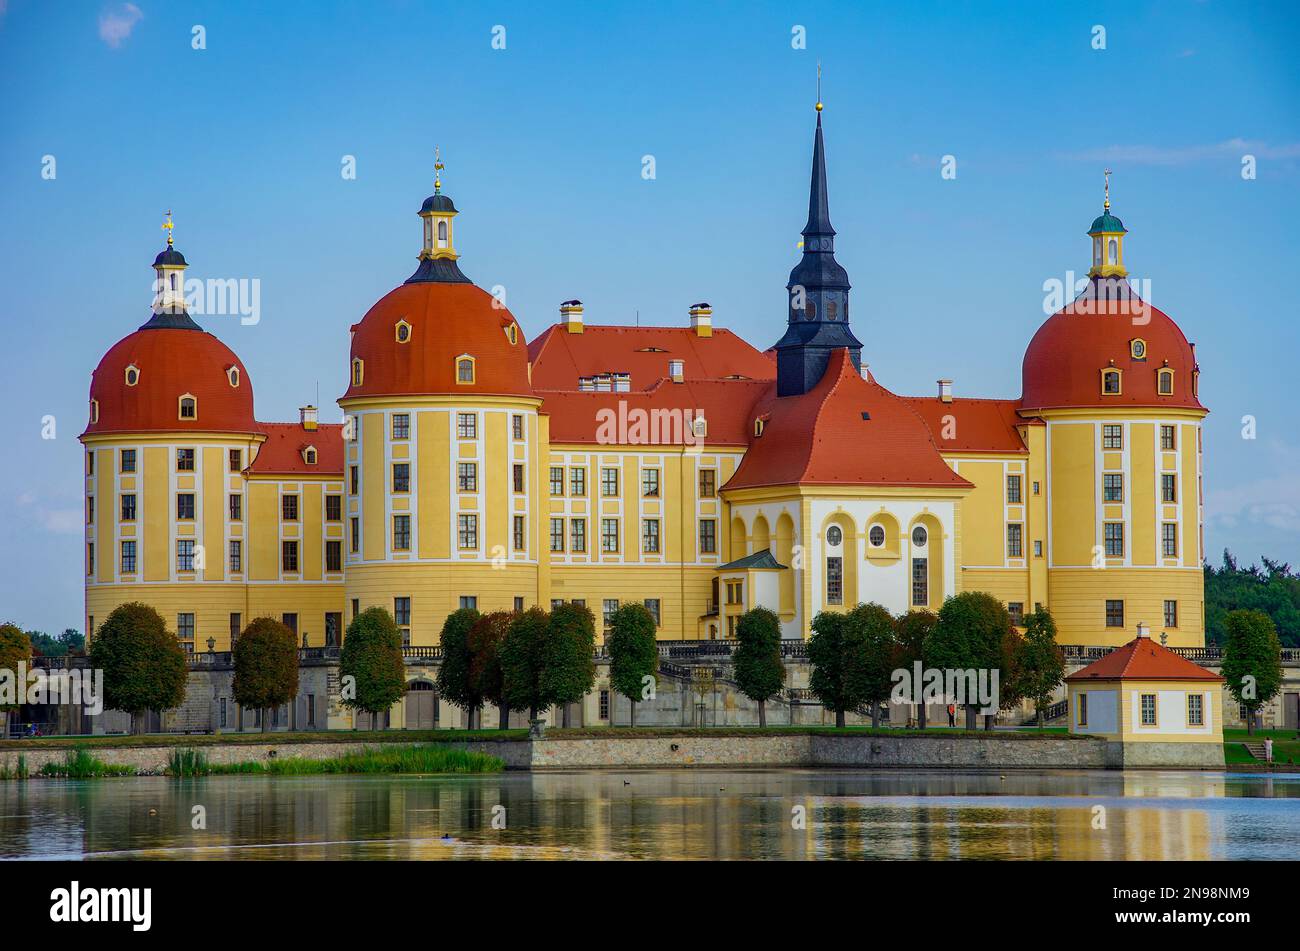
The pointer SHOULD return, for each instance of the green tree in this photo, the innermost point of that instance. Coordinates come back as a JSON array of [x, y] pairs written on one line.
[[454, 682], [485, 640], [1041, 665], [837, 653], [911, 631], [60, 645], [371, 660], [869, 634], [522, 657], [569, 666], [15, 649], [759, 672], [142, 661], [1252, 661], [1273, 589], [265, 656], [970, 635], [633, 653]]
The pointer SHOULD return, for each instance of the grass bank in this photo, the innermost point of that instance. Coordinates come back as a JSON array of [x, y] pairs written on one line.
[[415, 758], [1286, 747], [196, 740]]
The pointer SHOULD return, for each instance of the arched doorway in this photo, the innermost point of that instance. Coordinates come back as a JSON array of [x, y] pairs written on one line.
[[421, 705]]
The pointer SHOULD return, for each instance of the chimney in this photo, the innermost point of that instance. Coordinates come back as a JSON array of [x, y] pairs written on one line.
[[1143, 629], [865, 372], [677, 370], [571, 316], [307, 416], [702, 319], [945, 391]]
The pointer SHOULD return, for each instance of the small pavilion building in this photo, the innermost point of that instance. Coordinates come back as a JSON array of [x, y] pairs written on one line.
[[1155, 707]]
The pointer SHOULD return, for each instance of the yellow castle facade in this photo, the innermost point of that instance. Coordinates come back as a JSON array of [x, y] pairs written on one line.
[[678, 467]]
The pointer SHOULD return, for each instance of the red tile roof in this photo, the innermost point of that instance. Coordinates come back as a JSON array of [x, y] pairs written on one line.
[[281, 454], [822, 438], [725, 404], [1143, 659], [446, 320], [560, 358], [1063, 363], [976, 426], [172, 362]]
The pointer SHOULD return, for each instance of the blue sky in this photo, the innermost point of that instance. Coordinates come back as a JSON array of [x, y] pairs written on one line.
[[543, 143]]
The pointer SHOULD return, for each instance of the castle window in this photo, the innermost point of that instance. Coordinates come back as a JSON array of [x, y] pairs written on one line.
[[708, 483], [1165, 382], [401, 477], [834, 536], [1015, 546], [1110, 382], [1017, 611], [289, 556], [1112, 489], [1112, 436], [919, 537], [94, 411], [401, 425], [401, 533], [232, 374], [1013, 490], [1169, 539], [1195, 709], [466, 477], [517, 473], [333, 508], [309, 456], [832, 310], [466, 426], [650, 535], [467, 531], [519, 533], [128, 507], [1114, 613], [1113, 537], [185, 554], [1168, 487], [289, 508], [189, 407], [650, 483], [810, 310], [835, 580], [578, 481], [876, 536], [1168, 438], [516, 426], [578, 535], [132, 375], [333, 561], [557, 480], [358, 371], [402, 331], [1112, 251], [758, 426], [128, 558], [1148, 706], [128, 460], [708, 536], [609, 482], [173, 281], [920, 582], [609, 535], [512, 332], [442, 234], [184, 460], [464, 369], [557, 534], [1137, 348]]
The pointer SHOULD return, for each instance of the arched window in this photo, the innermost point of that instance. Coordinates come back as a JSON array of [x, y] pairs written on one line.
[[1110, 385], [173, 279], [233, 376], [464, 369], [189, 407], [442, 234], [1096, 250], [810, 310], [832, 310], [132, 375], [358, 370], [94, 411], [1165, 382], [1113, 251]]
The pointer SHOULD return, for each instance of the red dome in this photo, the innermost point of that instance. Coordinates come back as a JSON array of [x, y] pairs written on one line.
[[1064, 361], [171, 362], [446, 321]]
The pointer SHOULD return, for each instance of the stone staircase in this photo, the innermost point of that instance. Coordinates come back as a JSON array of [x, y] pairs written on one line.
[[1256, 750]]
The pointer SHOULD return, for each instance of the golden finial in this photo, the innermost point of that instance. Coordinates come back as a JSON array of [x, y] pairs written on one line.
[[1106, 204], [437, 170], [167, 226], [819, 85]]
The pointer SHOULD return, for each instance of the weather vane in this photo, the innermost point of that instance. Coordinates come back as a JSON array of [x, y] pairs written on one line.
[[1108, 174], [167, 226], [437, 170], [819, 85]]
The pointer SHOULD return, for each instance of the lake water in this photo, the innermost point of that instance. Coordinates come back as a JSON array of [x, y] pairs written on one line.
[[696, 814]]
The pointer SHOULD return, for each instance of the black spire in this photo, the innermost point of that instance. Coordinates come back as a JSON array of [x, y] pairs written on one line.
[[818, 294]]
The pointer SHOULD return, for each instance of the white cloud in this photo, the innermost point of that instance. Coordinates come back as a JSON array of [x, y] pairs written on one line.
[[1186, 154], [56, 521], [1273, 501], [115, 25]]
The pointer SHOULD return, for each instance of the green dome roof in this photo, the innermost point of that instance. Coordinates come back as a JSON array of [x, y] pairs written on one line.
[[1107, 222]]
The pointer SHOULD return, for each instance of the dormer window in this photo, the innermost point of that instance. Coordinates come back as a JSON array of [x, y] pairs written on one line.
[[1137, 348], [232, 375], [188, 408], [132, 375], [94, 412], [700, 427], [758, 426], [402, 332], [512, 332], [1110, 382], [358, 371], [1165, 381], [464, 369], [309, 455]]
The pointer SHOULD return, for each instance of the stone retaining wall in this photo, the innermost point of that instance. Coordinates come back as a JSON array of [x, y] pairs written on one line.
[[725, 750]]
